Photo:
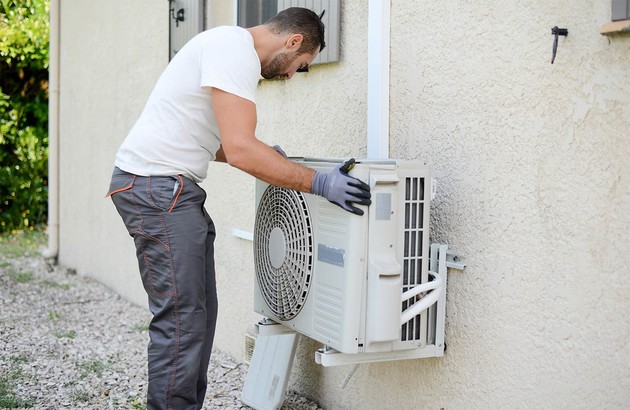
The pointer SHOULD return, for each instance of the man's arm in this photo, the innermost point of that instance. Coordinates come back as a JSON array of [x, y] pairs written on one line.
[[236, 118], [220, 155]]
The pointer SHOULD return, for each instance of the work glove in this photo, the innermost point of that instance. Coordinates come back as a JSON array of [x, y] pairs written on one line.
[[341, 189], [279, 150]]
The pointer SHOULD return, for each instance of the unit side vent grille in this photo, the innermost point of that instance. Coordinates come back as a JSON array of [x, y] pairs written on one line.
[[283, 251], [328, 312], [413, 251]]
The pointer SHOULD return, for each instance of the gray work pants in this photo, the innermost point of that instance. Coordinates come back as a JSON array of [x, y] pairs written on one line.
[[174, 238]]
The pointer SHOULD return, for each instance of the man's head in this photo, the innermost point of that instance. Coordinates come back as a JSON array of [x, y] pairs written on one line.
[[303, 34], [297, 20]]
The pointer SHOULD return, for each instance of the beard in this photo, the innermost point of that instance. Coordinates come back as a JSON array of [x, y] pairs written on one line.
[[276, 69]]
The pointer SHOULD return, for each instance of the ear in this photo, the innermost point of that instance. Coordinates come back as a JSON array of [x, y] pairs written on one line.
[[294, 42]]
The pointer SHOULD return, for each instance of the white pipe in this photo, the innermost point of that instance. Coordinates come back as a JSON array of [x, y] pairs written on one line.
[[420, 306], [378, 79], [424, 287], [53, 132], [240, 233]]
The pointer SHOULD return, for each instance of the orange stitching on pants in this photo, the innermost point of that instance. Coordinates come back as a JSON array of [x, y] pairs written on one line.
[[121, 189], [181, 188]]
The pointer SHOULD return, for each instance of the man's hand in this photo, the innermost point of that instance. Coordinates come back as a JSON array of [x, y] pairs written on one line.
[[341, 189]]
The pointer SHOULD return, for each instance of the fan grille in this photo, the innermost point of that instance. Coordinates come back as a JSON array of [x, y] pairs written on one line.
[[283, 251]]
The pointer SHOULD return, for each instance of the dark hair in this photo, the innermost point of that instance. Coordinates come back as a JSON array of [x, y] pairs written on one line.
[[298, 20]]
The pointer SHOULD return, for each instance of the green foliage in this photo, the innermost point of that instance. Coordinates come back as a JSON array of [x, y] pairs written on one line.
[[8, 397], [25, 242], [24, 33], [140, 327], [21, 277], [96, 367], [70, 334]]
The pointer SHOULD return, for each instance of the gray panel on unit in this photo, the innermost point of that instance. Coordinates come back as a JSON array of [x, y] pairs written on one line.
[[186, 20]]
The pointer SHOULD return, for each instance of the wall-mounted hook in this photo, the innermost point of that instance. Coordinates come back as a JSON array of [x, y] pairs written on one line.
[[557, 32], [179, 17]]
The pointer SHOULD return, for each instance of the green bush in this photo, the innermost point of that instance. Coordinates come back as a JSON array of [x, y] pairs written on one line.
[[23, 113]]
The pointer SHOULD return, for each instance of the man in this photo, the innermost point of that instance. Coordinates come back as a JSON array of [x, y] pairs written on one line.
[[202, 109]]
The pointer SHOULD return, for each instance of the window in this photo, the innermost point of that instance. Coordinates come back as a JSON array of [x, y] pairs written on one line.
[[620, 16], [620, 10], [187, 19], [254, 12]]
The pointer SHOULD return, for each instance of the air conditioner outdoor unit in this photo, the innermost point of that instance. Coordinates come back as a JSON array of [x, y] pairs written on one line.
[[369, 288], [357, 284]]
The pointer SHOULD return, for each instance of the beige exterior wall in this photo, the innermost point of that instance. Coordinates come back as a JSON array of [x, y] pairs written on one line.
[[532, 166], [111, 55]]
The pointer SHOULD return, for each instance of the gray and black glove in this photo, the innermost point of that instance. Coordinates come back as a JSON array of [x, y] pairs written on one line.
[[341, 189], [279, 150]]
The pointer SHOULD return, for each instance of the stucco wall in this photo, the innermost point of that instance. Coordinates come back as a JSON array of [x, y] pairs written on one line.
[[534, 190], [111, 55], [532, 169], [531, 160]]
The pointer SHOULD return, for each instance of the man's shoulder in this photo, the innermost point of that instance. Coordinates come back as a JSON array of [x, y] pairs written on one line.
[[219, 40], [224, 32]]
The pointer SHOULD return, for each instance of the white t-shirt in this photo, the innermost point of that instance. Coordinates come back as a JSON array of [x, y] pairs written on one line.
[[177, 132]]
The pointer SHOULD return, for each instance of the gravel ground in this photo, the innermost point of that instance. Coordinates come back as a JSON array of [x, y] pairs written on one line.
[[68, 342]]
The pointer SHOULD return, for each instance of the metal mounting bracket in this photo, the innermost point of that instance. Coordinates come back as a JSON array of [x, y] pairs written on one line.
[[455, 260]]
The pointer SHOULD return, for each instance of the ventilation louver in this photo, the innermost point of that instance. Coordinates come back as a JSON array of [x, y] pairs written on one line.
[[284, 251]]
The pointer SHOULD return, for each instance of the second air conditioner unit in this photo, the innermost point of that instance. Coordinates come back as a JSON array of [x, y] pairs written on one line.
[[357, 284]]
